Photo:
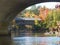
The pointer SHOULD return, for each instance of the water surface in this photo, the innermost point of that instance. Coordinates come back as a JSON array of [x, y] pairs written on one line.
[[36, 40]]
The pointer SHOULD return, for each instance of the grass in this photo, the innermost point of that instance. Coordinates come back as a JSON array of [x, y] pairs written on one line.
[[42, 35]]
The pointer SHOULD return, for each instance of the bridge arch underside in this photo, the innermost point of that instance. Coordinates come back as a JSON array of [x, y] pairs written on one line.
[[10, 8]]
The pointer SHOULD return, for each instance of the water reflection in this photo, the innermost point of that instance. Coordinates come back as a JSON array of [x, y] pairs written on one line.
[[37, 40]]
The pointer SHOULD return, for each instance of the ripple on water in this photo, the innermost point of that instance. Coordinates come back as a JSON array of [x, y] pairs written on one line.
[[36, 40]]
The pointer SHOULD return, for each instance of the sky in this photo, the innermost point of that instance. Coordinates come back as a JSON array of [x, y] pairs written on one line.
[[50, 5]]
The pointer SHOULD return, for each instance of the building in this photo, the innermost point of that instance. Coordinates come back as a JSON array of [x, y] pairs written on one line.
[[26, 21]]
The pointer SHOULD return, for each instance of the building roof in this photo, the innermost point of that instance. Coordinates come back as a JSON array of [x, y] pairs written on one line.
[[27, 18]]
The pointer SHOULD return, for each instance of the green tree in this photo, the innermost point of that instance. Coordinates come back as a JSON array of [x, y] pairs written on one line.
[[34, 9]]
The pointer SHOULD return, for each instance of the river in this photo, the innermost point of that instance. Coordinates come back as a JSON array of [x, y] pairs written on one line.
[[36, 40]]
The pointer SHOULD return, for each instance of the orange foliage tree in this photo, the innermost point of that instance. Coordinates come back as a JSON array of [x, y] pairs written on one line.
[[43, 13], [27, 14]]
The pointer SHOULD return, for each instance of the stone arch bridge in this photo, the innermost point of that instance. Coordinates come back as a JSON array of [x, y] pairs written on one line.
[[9, 9]]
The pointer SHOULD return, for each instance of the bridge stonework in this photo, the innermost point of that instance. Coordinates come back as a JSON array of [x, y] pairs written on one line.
[[8, 10]]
